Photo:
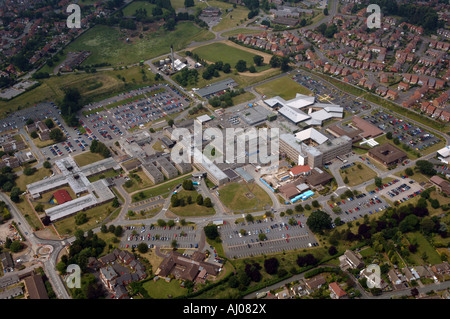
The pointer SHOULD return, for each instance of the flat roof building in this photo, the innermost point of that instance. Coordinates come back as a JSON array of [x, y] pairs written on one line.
[[153, 173], [166, 168], [387, 154], [217, 87]]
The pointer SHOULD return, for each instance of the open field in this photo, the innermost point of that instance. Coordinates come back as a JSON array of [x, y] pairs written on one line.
[[92, 86], [424, 249], [238, 196], [221, 51], [95, 215], [161, 289], [192, 209], [23, 180], [284, 87], [162, 189], [230, 19], [130, 9], [109, 45], [357, 176], [141, 182], [87, 158], [240, 30]]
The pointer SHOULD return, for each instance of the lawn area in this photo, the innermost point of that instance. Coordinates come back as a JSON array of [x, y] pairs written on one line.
[[108, 45], [220, 51], [87, 157], [130, 9], [192, 209], [140, 181], [161, 289], [92, 86], [95, 216], [240, 31], [27, 212], [284, 87], [162, 189], [23, 180], [230, 19], [357, 176], [424, 247], [240, 196]]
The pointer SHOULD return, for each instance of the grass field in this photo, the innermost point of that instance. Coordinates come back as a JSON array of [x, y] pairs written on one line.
[[143, 182], [52, 89], [87, 158], [108, 44], [130, 9], [161, 289], [23, 180], [238, 31], [95, 215], [163, 189], [357, 176], [192, 209], [230, 19], [227, 54], [284, 87], [424, 247], [237, 196]]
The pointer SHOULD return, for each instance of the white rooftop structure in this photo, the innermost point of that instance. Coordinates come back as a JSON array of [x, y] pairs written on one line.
[[178, 65], [203, 118], [76, 178], [444, 152], [295, 109], [312, 134]]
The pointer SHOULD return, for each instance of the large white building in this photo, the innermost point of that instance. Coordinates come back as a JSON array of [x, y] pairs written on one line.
[[305, 109], [77, 179]]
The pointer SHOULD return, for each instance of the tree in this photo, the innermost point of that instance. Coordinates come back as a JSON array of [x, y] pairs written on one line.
[[332, 251], [15, 193], [211, 232], [49, 123], [188, 185], [104, 229], [15, 246], [56, 135], [409, 171], [389, 135], [47, 164], [170, 122], [315, 204], [29, 171], [118, 231], [258, 60], [325, 11], [249, 218], [271, 265], [319, 221], [226, 68], [378, 182], [115, 202], [252, 69], [142, 248], [426, 167], [241, 66], [34, 134], [189, 3], [80, 218], [199, 199]]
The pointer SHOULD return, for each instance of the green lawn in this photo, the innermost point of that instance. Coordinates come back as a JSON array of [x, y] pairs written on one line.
[[87, 157], [222, 52], [141, 182], [357, 176], [192, 209], [108, 44], [284, 87], [161, 289], [237, 196], [424, 247], [130, 9], [52, 89], [163, 189], [231, 19]]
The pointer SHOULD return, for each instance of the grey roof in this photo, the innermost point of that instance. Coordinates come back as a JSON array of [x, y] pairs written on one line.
[[216, 87]]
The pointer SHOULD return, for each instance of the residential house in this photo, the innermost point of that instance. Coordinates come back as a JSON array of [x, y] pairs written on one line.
[[336, 292]]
